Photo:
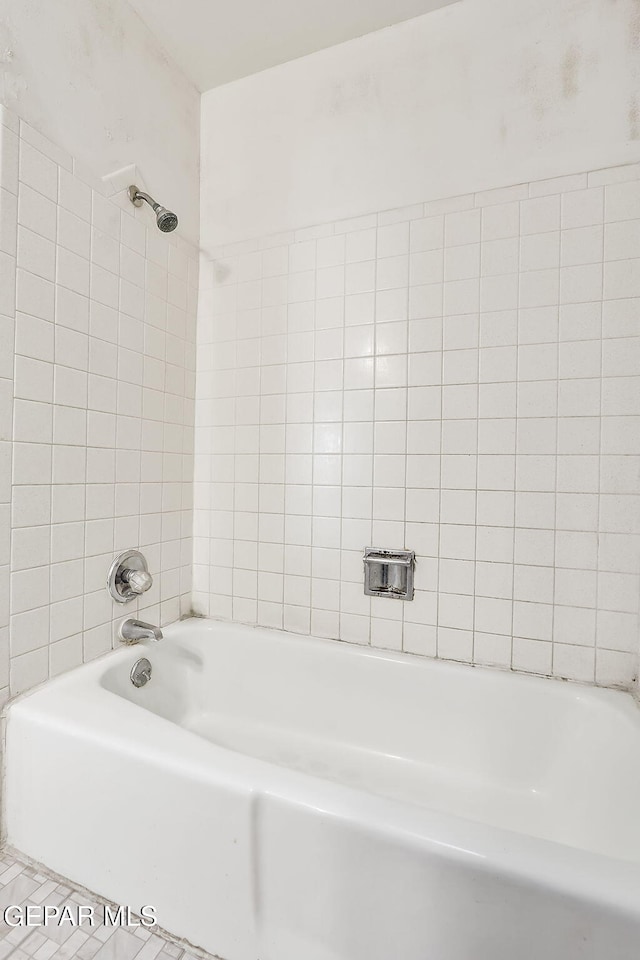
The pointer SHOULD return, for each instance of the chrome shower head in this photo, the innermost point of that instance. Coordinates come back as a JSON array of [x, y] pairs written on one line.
[[166, 219]]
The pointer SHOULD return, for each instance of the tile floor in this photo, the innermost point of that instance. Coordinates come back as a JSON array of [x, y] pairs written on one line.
[[22, 883]]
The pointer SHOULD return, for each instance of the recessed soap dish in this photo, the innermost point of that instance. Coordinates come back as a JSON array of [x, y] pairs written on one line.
[[389, 573]]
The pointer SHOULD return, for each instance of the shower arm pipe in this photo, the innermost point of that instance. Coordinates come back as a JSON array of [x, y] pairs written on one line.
[[137, 196], [141, 195]]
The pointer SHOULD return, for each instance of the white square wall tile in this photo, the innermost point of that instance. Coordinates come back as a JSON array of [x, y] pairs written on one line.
[[9, 158], [432, 376], [462, 228], [581, 208], [622, 201], [36, 254], [393, 240], [38, 171], [539, 215], [52, 324], [28, 670]]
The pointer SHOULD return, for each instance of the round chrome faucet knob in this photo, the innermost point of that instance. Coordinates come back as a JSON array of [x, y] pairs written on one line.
[[128, 576], [139, 580]]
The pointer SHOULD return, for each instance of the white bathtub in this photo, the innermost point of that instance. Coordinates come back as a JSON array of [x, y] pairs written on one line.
[[281, 798]]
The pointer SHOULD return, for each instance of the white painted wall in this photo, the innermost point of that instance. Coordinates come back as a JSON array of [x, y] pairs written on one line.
[[476, 95], [90, 75]]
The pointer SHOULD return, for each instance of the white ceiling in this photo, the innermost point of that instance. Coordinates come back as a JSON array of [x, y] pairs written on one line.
[[215, 41]]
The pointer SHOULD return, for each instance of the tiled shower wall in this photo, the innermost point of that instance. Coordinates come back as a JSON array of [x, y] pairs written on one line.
[[459, 377], [97, 372]]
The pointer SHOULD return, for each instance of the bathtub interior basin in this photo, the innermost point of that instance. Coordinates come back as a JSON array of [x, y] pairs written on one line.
[[549, 759]]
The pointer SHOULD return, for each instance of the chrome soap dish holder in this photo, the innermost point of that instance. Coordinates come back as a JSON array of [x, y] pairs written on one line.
[[389, 573]]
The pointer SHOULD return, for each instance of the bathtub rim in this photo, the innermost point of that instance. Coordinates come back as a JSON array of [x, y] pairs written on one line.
[[605, 695]]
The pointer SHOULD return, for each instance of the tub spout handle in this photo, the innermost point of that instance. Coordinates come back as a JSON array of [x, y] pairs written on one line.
[[133, 631]]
